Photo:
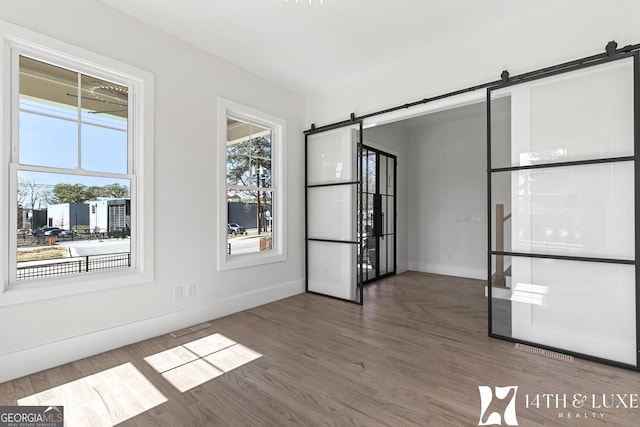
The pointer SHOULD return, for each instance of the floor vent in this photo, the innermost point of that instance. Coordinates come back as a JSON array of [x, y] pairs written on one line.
[[190, 330], [546, 353]]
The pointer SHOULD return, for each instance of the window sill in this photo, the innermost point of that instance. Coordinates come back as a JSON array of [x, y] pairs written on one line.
[[250, 260], [38, 290]]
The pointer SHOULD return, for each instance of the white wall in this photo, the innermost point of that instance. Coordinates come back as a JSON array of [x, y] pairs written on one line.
[[447, 194], [539, 36], [393, 140], [188, 81]]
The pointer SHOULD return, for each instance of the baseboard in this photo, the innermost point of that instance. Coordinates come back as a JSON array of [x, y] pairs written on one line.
[[449, 270], [27, 361]]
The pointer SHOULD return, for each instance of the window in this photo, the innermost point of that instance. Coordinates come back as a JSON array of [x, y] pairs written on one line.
[[76, 131], [251, 191]]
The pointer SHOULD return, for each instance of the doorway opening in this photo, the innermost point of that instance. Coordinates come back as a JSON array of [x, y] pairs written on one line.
[[440, 195]]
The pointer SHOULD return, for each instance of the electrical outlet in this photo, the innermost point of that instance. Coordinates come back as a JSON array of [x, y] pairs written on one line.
[[177, 293], [190, 289]]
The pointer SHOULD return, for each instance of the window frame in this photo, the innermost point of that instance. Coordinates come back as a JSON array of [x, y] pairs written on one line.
[[227, 108], [16, 41]]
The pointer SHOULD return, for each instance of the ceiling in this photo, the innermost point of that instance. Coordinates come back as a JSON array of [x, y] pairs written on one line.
[[314, 47]]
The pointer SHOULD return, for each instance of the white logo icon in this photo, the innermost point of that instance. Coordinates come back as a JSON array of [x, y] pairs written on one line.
[[501, 393]]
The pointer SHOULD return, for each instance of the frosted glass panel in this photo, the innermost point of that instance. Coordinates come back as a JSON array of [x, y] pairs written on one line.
[[585, 210], [331, 212], [585, 114], [584, 307], [332, 269], [331, 157]]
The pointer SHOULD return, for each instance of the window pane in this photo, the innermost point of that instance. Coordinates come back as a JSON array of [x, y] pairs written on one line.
[[48, 115], [49, 119], [250, 221], [47, 89], [48, 141], [104, 103], [69, 224], [248, 154], [103, 149]]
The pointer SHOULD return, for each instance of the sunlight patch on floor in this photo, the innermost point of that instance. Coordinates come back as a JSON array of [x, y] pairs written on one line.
[[232, 357], [103, 399], [192, 374], [199, 361], [209, 344]]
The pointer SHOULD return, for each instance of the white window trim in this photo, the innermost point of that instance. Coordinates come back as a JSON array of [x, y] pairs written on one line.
[[278, 154], [141, 107]]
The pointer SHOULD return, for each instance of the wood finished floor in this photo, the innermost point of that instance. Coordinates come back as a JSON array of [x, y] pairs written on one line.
[[414, 355]]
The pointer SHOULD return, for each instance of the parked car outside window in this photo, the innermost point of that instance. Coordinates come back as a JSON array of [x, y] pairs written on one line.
[[54, 231], [237, 228], [47, 231]]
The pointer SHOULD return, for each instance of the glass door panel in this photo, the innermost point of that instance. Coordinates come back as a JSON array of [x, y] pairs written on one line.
[[388, 215], [332, 270], [578, 115], [387, 255], [369, 247], [369, 242], [388, 206], [331, 213], [333, 177], [563, 228], [583, 307], [331, 157], [583, 210]]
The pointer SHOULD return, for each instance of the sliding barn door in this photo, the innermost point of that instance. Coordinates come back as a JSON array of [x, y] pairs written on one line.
[[333, 243], [563, 178]]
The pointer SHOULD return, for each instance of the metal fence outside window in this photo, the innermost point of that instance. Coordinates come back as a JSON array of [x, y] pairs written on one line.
[[75, 265]]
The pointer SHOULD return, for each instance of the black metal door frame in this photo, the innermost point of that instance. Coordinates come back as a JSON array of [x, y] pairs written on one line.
[[378, 218]]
